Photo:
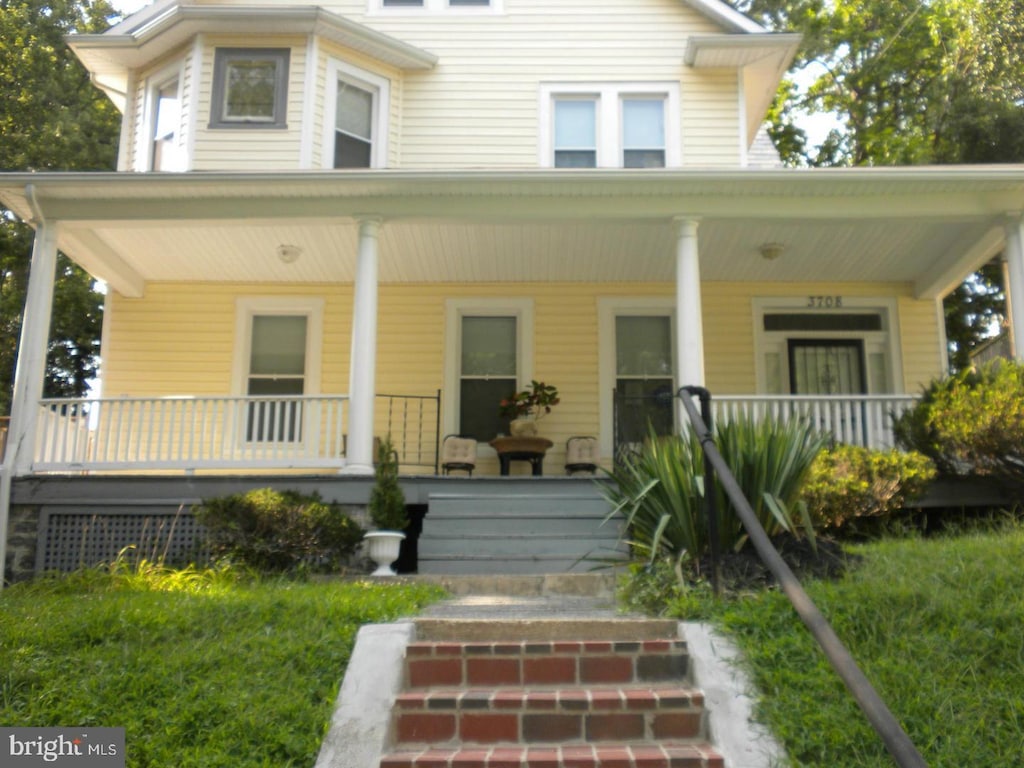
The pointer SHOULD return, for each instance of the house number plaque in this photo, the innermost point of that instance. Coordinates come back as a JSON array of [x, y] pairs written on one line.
[[824, 302]]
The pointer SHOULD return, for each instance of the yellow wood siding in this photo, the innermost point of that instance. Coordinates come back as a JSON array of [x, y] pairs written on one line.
[[479, 106], [180, 339]]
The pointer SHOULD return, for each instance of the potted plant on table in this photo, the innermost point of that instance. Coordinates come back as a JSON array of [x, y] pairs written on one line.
[[387, 511], [526, 408]]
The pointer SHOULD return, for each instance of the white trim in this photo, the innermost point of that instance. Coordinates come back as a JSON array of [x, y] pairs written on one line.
[[248, 306], [129, 127], [194, 74], [309, 99], [144, 138], [608, 97], [379, 86], [436, 7], [608, 308], [520, 308], [887, 307]]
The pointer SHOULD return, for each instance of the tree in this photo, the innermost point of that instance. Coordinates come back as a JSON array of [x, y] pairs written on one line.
[[910, 82], [51, 118]]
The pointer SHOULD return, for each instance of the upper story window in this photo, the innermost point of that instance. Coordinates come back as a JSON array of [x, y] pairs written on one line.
[[435, 5], [609, 126], [250, 88], [356, 106], [160, 144]]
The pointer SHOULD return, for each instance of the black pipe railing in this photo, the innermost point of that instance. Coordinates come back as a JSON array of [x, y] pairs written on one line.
[[414, 424], [871, 704]]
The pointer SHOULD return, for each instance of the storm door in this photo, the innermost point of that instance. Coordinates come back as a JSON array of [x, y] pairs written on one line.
[[826, 367]]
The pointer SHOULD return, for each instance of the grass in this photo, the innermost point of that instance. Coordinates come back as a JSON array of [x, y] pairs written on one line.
[[201, 668], [938, 627]]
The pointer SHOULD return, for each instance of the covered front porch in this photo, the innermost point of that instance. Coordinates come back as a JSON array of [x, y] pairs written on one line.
[[192, 434], [803, 293]]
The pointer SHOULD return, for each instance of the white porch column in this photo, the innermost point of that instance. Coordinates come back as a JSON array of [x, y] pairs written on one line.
[[1015, 282], [689, 325], [363, 361], [30, 371]]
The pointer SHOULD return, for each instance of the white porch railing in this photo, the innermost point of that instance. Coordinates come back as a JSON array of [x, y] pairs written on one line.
[[864, 420], [191, 433]]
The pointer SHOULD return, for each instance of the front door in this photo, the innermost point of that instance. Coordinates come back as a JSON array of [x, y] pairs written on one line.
[[826, 367]]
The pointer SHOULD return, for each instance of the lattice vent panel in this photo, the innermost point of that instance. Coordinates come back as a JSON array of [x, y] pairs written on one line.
[[74, 540]]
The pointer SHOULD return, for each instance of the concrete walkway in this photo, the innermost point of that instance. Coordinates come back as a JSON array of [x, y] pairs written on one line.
[[490, 608]]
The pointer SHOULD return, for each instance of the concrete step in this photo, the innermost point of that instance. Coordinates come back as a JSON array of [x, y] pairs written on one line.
[[545, 629], [591, 584]]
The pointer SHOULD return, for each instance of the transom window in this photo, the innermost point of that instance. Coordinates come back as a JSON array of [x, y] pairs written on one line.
[[250, 88], [609, 126]]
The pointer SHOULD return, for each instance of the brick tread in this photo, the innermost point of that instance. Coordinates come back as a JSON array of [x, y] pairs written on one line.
[[551, 698], [665, 755]]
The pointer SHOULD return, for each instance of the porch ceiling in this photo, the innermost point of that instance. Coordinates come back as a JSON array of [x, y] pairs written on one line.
[[928, 227]]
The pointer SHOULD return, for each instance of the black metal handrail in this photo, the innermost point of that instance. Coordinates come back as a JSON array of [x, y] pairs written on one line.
[[871, 704]]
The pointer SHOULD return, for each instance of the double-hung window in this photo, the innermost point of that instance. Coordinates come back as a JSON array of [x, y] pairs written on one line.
[[609, 126], [250, 88], [436, 5], [356, 103], [276, 364], [166, 122]]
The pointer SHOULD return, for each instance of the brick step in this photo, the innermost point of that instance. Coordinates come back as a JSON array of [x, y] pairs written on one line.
[[700, 755], [554, 663], [566, 717]]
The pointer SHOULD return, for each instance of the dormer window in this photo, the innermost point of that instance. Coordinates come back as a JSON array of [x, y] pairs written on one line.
[[435, 5], [250, 88]]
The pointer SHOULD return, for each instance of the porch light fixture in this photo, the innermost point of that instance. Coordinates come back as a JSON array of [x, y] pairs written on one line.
[[771, 251], [288, 254]]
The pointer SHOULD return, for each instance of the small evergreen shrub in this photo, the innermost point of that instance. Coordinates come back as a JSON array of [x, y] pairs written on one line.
[[971, 424], [849, 482], [387, 502], [277, 531]]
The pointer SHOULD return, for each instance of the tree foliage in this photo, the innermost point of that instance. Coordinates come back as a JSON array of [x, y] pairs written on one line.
[[51, 118], [909, 82]]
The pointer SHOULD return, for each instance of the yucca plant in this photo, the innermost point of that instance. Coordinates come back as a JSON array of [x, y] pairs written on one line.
[[771, 460], [660, 490]]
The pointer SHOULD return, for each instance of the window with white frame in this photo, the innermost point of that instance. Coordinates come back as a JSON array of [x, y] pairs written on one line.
[[166, 124], [624, 125], [250, 88], [276, 364], [843, 349], [487, 360], [356, 105], [435, 5]]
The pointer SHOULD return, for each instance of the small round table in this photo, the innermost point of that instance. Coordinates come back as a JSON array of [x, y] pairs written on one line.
[[531, 449]]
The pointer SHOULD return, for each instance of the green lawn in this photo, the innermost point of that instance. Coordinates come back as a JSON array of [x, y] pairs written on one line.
[[938, 627], [201, 670]]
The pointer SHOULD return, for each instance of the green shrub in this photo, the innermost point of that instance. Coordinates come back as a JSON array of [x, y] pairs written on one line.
[[387, 508], [660, 489], [971, 423], [275, 531], [849, 482]]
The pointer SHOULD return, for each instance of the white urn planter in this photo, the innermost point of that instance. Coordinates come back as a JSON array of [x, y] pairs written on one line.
[[384, 547], [523, 427]]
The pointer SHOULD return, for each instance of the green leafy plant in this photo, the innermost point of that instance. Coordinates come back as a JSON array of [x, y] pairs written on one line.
[[387, 509], [660, 489], [537, 401], [847, 483], [274, 531], [971, 424]]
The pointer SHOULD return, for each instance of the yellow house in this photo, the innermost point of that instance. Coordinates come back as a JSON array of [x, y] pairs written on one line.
[[369, 217]]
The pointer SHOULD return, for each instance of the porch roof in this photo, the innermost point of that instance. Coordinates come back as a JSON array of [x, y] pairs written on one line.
[[927, 226]]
